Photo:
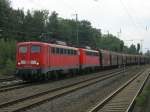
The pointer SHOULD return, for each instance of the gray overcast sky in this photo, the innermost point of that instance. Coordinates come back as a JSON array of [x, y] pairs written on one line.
[[131, 16]]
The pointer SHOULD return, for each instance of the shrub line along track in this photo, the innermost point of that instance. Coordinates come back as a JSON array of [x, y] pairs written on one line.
[[39, 98], [121, 99], [26, 84]]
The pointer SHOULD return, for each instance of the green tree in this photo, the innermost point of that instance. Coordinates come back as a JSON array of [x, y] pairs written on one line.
[[4, 12], [110, 42], [10, 66], [34, 24], [138, 48], [7, 55], [16, 26], [66, 30], [52, 24], [85, 33], [132, 49], [4, 18], [147, 53]]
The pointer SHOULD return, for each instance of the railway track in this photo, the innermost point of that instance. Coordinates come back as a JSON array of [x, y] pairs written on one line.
[[121, 99], [21, 84], [9, 82], [17, 85], [39, 98], [7, 79]]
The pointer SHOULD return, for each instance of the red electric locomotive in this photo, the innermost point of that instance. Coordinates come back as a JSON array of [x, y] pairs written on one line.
[[38, 60], [89, 58]]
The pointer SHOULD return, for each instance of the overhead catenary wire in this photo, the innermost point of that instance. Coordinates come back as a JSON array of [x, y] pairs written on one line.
[[131, 17], [137, 26]]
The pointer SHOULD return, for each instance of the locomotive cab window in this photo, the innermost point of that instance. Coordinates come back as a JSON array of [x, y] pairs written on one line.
[[35, 49], [22, 49], [89, 53], [53, 50], [61, 50], [57, 50], [75, 52], [65, 51], [68, 51], [71, 52]]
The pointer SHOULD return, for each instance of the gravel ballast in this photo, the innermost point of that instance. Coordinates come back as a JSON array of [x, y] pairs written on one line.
[[81, 100]]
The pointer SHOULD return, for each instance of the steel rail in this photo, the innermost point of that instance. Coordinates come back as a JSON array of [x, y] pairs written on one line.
[[39, 98], [120, 99]]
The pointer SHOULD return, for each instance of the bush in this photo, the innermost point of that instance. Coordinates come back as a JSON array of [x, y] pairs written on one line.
[[7, 56], [141, 99], [10, 66]]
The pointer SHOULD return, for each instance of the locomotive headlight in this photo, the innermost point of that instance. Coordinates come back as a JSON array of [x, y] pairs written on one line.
[[19, 63], [37, 63], [34, 62]]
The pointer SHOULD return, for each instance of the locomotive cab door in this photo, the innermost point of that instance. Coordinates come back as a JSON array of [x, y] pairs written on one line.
[[35, 55]]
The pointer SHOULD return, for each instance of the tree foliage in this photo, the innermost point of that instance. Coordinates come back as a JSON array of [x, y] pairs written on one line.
[[138, 47], [34, 25], [7, 55], [132, 49]]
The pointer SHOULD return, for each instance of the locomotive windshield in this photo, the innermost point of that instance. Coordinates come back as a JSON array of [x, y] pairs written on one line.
[[23, 49], [35, 49]]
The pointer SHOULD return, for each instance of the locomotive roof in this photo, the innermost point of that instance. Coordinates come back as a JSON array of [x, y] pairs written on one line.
[[25, 43], [53, 45], [89, 50], [68, 47], [44, 43]]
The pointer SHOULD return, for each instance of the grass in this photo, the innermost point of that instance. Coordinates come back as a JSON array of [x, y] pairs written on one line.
[[142, 98], [6, 71]]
